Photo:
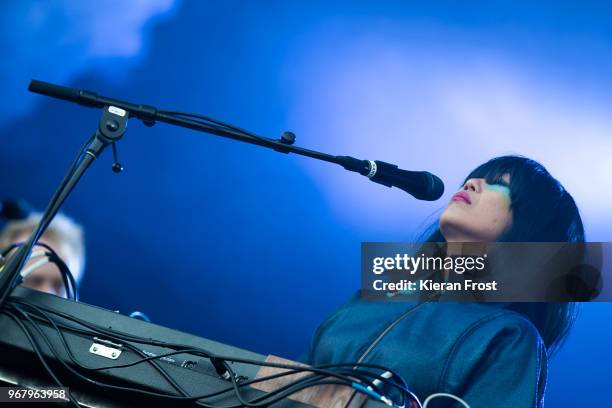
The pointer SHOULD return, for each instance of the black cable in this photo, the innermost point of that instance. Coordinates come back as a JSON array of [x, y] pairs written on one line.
[[133, 389], [155, 365], [40, 356], [66, 366], [69, 352], [375, 376], [214, 124], [288, 389], [215, 121], [9, 248], [182, 348], [67, 277], [66, 346], [346, 379]]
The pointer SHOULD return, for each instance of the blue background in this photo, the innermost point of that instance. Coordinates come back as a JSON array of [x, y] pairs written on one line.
[[253, 248]]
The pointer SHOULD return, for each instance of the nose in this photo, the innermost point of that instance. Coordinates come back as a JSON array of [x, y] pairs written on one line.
[[474, 185]]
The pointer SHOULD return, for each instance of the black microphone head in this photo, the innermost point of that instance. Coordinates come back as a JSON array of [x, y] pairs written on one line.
[[14, 209], [434, 189], [421, 185]]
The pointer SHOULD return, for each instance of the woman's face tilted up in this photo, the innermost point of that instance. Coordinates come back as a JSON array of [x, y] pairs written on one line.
[[479, 212]]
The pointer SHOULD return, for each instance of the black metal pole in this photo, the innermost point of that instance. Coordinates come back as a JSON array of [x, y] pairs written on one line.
[[111, 128], [150, 114]]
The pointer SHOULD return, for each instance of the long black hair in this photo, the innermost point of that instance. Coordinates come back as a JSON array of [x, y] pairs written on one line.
[[542, 211]]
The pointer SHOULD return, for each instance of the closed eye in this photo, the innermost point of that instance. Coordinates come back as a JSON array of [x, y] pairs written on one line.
[[498, 181]]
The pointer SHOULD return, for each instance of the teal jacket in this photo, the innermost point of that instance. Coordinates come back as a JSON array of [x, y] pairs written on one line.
[[483, 353]]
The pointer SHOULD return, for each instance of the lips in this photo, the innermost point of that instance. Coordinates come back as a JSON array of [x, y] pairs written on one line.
[[462, 196]]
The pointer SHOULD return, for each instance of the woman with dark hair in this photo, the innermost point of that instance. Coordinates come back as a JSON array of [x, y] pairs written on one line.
[[489, 354]]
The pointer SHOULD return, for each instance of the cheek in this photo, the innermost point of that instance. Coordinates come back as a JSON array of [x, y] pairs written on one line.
[[497, 213]]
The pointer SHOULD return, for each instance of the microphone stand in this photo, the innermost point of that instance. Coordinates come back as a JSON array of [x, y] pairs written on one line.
[[111, 128], [420, 184], [149, 115]]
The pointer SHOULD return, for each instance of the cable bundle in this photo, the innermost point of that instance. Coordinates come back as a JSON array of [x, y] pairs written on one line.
[[47, 255], [372, 380]]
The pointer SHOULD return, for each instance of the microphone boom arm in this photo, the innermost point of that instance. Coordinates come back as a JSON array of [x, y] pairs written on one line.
[[422, 185]]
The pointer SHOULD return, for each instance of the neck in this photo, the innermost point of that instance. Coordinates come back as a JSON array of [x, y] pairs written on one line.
[[465, 248]]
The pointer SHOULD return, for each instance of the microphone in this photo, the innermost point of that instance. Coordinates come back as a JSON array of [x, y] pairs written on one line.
[[421, 185]]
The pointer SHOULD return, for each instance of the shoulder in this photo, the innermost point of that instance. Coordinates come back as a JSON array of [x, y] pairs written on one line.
[[483, 320], [484, 329], [497, 346], [494, 322]]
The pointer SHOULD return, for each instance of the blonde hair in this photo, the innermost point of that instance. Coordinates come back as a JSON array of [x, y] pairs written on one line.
[[68, 234]]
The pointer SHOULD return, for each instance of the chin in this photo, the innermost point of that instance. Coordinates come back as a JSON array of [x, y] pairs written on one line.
[[452, 216], [455, 226], [447, 226]]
